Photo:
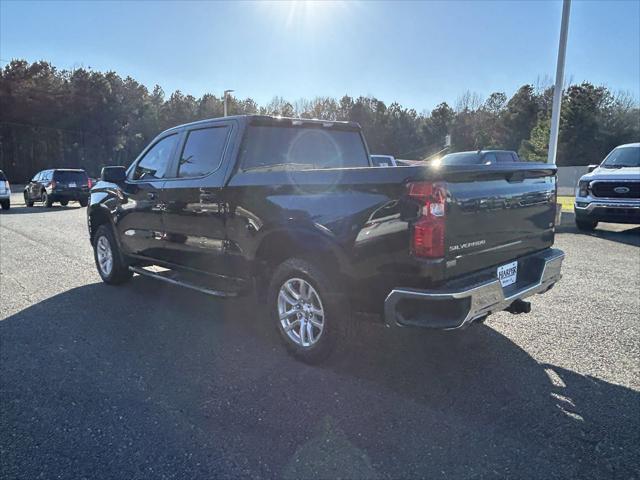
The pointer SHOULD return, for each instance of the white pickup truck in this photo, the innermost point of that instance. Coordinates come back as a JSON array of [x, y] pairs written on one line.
[[610, 192]]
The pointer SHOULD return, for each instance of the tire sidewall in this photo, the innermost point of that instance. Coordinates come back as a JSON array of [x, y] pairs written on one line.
[[104, 232], [120, 270], [296, 268]]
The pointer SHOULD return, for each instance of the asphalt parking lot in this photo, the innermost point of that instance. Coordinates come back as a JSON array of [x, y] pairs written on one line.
[[152, 381]]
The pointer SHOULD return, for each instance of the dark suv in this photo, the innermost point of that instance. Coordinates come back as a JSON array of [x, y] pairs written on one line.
[[58, 185]]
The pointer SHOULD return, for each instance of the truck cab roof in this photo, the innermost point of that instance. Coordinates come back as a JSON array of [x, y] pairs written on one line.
[[274, 121]]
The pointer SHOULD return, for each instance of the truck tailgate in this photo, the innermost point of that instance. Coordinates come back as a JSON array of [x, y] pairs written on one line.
[[497, 217]]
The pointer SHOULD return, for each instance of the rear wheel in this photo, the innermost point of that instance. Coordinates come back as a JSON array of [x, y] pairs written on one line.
[[111, 266], [84, 202], [6, 205], [307, 310], [27, 201], [586, 225]]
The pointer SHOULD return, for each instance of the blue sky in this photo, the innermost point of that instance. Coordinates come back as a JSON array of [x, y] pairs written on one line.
[[416, 53]]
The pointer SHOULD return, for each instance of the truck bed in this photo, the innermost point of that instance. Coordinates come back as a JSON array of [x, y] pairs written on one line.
[[494, 214]]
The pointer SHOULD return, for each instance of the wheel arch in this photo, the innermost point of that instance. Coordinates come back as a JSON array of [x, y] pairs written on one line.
[[314, 247], [97, 216]]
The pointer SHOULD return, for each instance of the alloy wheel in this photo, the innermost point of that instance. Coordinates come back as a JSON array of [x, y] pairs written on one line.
[[105, 255], [301, 312]]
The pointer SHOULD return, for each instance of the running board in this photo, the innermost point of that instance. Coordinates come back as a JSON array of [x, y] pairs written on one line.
[[166, 277]]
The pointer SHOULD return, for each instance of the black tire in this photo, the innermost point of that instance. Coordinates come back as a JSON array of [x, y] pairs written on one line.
[[27, 201], [333, 303], [586, 225], [119, 272], [46, 201], [64, 203], [6, 204], [84, 202]]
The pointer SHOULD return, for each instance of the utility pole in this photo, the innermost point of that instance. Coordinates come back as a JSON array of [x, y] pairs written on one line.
[[226, 95], [557, 90]]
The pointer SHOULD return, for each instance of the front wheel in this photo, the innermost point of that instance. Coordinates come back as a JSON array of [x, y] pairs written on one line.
[[64, 203], [84, 202], [111, 267], [306, 309], [6, 205]]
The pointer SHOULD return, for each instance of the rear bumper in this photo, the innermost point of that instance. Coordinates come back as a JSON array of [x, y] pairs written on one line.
[[466, 300], [72, 196]]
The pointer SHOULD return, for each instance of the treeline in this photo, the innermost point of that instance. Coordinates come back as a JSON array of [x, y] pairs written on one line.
[[85, 118]]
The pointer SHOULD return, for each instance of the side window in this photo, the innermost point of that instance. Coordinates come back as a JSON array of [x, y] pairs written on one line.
[[489, 157], [504, 157], [36, 177], [156, 161], [202, 152]]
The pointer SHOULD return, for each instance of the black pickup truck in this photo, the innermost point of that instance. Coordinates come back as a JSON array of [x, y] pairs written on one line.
[[292, 210]]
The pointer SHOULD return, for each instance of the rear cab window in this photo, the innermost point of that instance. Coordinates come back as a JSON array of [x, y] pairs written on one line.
[[307, 146], [70, 176]]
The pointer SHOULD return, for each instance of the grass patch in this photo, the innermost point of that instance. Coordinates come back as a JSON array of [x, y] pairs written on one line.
[[567, 202]]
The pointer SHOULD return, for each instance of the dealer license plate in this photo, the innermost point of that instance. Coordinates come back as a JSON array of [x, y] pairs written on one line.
[[508, 273], [72, 185]]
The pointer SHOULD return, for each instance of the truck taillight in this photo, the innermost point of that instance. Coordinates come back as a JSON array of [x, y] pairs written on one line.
[[89, 183], [428, 236]]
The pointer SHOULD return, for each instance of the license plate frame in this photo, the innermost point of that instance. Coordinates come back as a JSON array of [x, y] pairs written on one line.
[[508, 273]]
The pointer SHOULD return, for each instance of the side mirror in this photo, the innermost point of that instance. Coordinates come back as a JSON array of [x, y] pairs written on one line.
[[113, 174], [591, 168]]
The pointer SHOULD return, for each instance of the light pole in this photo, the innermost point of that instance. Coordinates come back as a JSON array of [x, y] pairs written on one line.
[[226, 94], [557, 90]]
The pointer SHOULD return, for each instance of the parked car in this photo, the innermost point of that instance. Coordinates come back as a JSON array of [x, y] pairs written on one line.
[[62, 185], [383, 161], [5, 192], [610, 192], [291, 208], [480, 157]]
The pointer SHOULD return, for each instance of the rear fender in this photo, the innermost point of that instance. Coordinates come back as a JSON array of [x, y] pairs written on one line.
[[313, 245]]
